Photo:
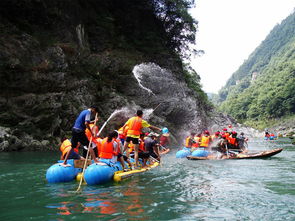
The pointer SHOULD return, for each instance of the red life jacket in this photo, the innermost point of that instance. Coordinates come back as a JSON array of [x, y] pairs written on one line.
[[197, 140], [123, 134], [233, 141]]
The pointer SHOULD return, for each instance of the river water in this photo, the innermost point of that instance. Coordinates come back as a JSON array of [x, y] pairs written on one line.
[[178, 190]]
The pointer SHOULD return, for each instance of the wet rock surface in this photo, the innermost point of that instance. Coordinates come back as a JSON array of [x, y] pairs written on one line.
[[55, 63]]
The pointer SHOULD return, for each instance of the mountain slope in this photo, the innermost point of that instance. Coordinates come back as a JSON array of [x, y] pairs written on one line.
[[263, 87]]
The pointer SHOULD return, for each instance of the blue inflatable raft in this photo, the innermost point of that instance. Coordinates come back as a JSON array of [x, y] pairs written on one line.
[[183, 153], [96, 173]]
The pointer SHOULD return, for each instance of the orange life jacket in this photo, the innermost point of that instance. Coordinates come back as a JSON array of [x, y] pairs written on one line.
[[134, 126], [88, 133], [233, 141], [197, 140], [227, 134], [205, 141], [107, 149], [98, 141], [94, 130], [188, 142], [65, 146]]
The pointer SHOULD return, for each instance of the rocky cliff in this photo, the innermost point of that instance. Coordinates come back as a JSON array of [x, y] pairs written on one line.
[[59, 57]]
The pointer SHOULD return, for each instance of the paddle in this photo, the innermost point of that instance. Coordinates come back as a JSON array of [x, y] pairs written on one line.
[[86, 158], [154, 159], [226, 150]]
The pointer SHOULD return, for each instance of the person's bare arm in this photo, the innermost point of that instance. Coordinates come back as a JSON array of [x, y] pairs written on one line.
[[155, 128]]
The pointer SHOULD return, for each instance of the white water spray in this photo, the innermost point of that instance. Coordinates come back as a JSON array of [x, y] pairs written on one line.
[[138, 72]]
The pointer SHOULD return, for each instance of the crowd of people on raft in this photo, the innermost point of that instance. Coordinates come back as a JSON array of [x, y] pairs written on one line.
[[269, 135], [128, 140], [225, 142]]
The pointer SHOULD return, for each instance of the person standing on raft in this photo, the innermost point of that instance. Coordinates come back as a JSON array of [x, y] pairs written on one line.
[[78, 131], [135, 124]]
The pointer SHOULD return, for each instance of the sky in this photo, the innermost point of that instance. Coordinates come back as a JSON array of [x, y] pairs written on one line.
[[229, 31]]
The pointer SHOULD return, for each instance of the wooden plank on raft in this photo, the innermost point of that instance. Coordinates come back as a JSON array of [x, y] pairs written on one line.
[[80, 163]]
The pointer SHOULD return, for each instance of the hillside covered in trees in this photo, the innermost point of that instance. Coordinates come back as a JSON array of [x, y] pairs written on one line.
[[262, 91]]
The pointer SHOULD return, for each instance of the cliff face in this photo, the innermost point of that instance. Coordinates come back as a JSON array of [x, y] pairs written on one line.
[[59, 57]]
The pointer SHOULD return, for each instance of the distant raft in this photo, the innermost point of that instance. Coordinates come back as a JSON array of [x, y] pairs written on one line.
[[256, 155], [271, 138]]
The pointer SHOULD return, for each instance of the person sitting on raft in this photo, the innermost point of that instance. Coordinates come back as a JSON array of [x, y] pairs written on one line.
[[226, 133], [164, 140], [78, 131], [135, 124], [109, 148], [189, 140], [122, 134], [216, 136], [141, 150], [241, 142], [222, 147], [65, 147], [233, 141], [121, 157], [152, 146], [196, 141], [205, 140]]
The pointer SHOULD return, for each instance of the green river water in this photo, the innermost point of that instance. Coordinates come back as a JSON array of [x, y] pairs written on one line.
[[178, 190]]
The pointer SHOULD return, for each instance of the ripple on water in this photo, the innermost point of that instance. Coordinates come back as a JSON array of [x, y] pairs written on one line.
[[178, 190]]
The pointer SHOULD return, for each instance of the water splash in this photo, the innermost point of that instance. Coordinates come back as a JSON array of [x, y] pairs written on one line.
[[124, 110], [138, 72], [147, 113]]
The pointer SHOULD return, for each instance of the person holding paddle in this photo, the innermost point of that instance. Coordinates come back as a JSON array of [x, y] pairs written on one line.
[[78, 131]]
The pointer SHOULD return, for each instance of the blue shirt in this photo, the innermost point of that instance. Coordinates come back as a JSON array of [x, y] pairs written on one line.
[[83, 117]]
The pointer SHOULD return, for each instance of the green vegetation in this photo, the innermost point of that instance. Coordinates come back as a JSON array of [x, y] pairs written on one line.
[[192, 80], [263, 99]]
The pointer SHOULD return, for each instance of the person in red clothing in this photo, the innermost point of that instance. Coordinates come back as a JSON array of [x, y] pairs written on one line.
[[164, 141]]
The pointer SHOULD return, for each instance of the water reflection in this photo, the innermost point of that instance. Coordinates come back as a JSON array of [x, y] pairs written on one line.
[[188, 190], [101, 201]]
